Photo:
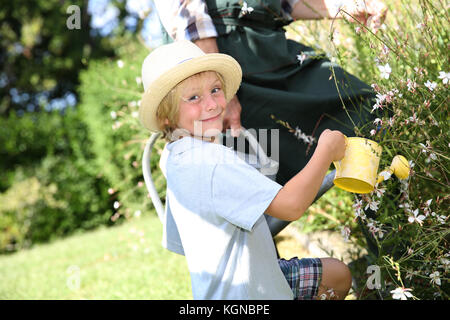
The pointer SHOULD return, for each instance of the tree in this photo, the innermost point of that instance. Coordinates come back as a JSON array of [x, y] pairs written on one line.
[[40, 57]]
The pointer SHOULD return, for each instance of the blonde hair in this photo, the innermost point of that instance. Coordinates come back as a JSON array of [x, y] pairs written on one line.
[[169, 108]]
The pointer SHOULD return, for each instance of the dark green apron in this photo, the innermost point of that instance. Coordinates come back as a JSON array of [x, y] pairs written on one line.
[[275, 82]]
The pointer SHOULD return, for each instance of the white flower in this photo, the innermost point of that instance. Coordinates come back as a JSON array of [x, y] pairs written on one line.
[[358, 209], [412, 85], [380, 98], [441, 219], [445, 76], [301, 57], [372, 132], [391, 122], [345, 232], [375, 87], [416, 218], [120, 63], [379, 191], [385, 71], [246, 9], [445, 263], [401, 293], [378, 121], [427, 209], [301, 136], [373, 228], [430, 85], [412, 119], [386, 175], [432, 156], [113, 115], [116, 205], [135, 114], [435, 278], [405, 205], [373, 205]]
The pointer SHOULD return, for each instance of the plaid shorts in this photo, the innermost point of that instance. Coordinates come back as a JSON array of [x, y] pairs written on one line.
[[303, 275]]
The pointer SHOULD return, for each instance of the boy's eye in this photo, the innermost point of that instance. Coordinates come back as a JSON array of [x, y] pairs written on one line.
[[216, 90], [193, 98]]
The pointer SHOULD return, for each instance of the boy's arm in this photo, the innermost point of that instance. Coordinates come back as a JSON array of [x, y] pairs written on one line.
[[299, 192]]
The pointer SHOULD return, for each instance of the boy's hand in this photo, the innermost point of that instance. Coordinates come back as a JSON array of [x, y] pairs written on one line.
[[334, 142]]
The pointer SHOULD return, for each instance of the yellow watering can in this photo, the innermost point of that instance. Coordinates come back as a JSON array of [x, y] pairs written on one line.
[[357, 171]]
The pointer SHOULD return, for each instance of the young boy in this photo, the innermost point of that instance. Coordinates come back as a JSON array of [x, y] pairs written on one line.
[[215, 201]]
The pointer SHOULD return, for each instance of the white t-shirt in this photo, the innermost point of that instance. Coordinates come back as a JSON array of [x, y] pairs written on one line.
[[214, 216]]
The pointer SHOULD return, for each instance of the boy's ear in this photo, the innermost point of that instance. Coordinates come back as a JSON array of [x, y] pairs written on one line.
[[166, 121]]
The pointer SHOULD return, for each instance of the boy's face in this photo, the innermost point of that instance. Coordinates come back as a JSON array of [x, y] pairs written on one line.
[[202, 105]]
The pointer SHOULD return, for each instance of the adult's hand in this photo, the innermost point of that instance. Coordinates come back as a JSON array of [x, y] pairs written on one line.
[[365, 11], [208, 45], [232, 119]]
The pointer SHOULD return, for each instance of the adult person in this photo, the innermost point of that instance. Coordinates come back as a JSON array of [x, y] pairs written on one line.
[[275, 82]]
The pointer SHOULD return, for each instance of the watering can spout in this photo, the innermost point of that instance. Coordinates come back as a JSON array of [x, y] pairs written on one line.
[[399, 167]]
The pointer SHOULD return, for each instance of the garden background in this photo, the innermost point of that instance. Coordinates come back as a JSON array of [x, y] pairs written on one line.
[[76, 221]]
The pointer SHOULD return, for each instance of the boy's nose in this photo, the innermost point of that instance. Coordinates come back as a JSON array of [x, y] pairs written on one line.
[[209, 102]]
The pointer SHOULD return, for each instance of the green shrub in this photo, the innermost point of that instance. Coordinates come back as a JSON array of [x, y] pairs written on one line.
[[51, 187], [110, 94], [83, 167]]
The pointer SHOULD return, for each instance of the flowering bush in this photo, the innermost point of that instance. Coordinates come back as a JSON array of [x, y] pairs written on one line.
[[110, 97], [405, 221]]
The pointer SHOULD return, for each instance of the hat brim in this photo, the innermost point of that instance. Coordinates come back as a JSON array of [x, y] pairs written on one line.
[[225, 65]]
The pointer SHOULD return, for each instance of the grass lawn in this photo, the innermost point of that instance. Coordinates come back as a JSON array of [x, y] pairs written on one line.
[[123, 262]]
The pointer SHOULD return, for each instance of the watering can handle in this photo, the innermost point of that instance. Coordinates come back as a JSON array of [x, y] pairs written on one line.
[[146, 170]]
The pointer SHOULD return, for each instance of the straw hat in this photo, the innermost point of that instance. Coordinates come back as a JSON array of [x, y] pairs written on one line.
[[168, 65]]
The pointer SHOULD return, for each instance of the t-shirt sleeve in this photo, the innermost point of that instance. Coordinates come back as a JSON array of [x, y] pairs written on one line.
[[240, 193]]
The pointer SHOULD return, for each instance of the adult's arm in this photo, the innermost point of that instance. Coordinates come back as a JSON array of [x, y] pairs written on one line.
[[189, 20], [185, 20], [361, 10]]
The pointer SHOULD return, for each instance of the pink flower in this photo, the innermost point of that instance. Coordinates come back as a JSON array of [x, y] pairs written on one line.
[[375, 87]]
